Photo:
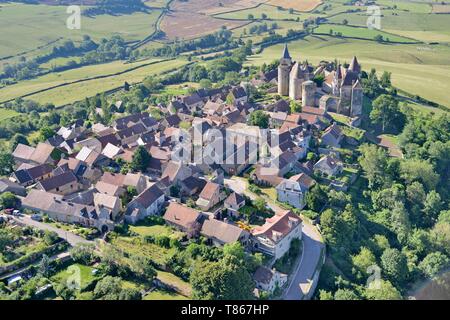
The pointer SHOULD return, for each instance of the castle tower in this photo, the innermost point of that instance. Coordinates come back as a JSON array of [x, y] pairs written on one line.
[[283, 72], [308, 93], [357, 99], [336, 84], [295, 82]]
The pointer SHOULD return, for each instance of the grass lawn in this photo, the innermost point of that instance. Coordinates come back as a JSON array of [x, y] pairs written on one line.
[[177, 283], [418, 69], [164, 295], [71, 272], [270, 192]]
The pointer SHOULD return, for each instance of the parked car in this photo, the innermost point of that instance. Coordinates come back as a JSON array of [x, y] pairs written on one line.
[[36, 217], [17, 213]]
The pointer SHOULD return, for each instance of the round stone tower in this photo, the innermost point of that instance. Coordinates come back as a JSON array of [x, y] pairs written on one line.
[[308, 93], [283, 72]]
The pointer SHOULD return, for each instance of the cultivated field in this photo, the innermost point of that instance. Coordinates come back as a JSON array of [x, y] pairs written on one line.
[[271, 12], [418, 69], [299, 5], [27, 27], [189, 25], [441, 8]]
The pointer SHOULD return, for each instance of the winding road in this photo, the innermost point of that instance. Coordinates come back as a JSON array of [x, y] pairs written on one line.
[[304, 280]]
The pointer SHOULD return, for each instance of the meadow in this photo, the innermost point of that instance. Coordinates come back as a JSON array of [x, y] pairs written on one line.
[[57, 78], [78, 91], [418, 69], [26, 27], [359, 32]]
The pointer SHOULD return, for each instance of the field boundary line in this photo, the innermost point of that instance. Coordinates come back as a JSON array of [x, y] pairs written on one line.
[[85, 80]]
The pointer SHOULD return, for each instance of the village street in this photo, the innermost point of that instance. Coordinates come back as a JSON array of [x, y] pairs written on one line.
[[301, 282]]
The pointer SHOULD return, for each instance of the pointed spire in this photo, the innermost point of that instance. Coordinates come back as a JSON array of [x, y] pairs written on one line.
[[354, 65], [338, 74], [286, 54]]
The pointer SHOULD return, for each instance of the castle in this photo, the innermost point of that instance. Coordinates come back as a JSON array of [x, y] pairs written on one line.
[[341, 90]]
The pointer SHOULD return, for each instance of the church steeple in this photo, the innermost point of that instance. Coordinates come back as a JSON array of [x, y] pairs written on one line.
[[354, 65], [286, 54]]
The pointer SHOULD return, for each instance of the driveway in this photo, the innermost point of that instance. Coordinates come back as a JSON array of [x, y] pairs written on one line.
[[301, 281], [70, 237]]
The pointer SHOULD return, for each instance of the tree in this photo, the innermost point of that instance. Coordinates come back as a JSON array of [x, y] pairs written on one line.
[[142, 267], [387, 113], [385, 79], [46, 133], [440, 236], [382, 290], [108, 288], [50, 237], [6, 239], [316, 198], [373, 161], [6, 163], [8, 200], [205, 84], [83, 253], [44, 266], [295, 107], [63, 291], [17, 139], [432, 206], [140, 160], [419, 170], [345, 294], [395, 266], [434, 263], [363, 261], [259, 118], [222, 280]]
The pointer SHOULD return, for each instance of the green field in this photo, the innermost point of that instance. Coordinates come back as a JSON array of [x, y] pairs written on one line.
[[26, 27], [359, 32], [418, 69], [6, 114], [420, 26], [78, 91]]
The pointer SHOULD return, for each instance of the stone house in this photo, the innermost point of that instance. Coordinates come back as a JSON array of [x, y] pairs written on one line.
[[147, 203], [275, 236], [221, 233], [233, 203]]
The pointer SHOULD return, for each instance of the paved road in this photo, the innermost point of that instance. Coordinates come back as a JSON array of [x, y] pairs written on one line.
[[70, 237], [300, 282]]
